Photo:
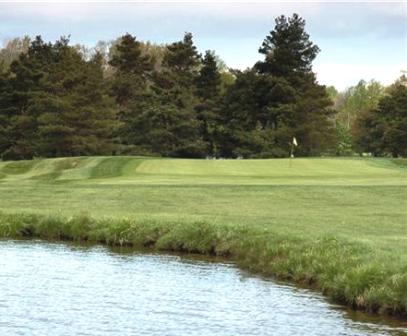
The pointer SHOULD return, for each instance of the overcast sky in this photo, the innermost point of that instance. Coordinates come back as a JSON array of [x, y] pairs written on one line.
[[361, 40]]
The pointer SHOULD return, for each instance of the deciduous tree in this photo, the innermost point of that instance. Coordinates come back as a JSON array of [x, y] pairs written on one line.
[[383, 130]]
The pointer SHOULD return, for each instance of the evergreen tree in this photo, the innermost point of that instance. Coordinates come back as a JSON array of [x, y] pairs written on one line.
[[288, 101], [130, 87], [209, 79], [58, 106], [133, 69], [240, 131], [288, 55], [5, 107], [208, 86], [176, 128], [182, 62], [77, 117], [288, 50], [24, 88]]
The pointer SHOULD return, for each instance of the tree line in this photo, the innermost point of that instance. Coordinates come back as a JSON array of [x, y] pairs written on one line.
[[136, 98], [371, 118]]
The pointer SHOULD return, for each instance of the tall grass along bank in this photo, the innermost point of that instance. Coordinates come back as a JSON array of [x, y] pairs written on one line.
[[347, 272], [338, 225]]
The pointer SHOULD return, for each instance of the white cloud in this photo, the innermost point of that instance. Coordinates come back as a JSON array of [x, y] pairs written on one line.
[[369, 37], [343, 75], [71, 10]]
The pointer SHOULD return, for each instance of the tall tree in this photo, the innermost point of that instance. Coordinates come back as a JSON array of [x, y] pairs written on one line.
[[241, 132], [5, 107], [176, 130], [77, 116], [288, 50], [357, 100], [59, 107], [208, 88], [24, 88], [305, 113], [130, 88], [13, 48], [332, 93], [284, 98], [383, 130]]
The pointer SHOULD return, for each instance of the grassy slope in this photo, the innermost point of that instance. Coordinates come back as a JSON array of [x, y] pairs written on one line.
[[301, 220]]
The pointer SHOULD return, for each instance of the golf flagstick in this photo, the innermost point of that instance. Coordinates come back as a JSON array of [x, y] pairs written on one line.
[[293, 143]]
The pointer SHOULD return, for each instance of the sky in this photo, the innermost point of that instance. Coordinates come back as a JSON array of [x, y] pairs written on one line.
[[358, 40]]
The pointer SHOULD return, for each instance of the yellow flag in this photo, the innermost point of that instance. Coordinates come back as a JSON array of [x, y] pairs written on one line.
[[295, 141]]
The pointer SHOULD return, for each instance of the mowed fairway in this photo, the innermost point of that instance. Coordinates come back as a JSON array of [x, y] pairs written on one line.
[[338, 224], [357, 199]]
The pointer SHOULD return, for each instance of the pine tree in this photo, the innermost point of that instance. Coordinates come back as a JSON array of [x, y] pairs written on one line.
[[78, 117], [182, 62], [239, 118], [287, 49], [208, 86], [5, 107], [176, 130], [24, 88], [279, 99], [58, 105], [131, 89], [288, 58]]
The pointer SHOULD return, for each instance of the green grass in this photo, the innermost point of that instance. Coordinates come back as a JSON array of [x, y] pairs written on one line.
[[339, 225]]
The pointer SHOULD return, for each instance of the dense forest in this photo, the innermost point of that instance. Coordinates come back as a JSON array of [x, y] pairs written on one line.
[[130, 97]]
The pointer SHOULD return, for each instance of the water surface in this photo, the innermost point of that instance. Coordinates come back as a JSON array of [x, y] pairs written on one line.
[[60, 289]]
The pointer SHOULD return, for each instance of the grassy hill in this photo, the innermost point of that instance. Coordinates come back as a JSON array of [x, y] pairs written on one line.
[[338, 224], [185, 171]]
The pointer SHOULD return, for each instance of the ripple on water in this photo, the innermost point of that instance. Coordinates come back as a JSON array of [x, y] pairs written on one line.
[[58, 289]]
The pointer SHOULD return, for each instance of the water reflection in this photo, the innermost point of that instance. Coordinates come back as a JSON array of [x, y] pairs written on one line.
[[58, 289]]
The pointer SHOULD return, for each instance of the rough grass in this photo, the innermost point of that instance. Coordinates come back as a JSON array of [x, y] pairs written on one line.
[[338, 225]]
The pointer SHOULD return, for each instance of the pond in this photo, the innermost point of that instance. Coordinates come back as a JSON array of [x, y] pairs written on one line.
[[65, 289]]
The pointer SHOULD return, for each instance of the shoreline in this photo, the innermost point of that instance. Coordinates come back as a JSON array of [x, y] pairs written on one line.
[[347, 273]]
